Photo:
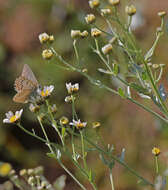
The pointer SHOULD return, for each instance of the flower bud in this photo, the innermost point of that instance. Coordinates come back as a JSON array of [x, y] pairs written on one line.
[[155, 66], [107, 49], [90, 18], [75, 34], [51, 38], [95, 32], [130, 10], [64, 120], [114, 2], [156, 151], [94, 3], [84, 34], [96, 124], [47, 54], [162, 14], [44, 37], [105, 12]]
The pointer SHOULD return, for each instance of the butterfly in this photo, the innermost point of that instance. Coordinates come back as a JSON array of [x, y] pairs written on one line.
[[25, 85]]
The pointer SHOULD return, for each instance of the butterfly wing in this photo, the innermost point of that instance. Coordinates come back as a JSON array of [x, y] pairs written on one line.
[[22, 96], [28, 74]]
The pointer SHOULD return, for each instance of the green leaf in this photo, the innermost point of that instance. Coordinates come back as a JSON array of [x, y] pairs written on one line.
[[121, 92], [115, 69], [63, 131], [51, 155], [105, 71]]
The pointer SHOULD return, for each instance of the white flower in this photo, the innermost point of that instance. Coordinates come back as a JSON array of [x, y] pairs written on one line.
[[72, 88], [78, 124], [11, 117], [46, 91], [44, 37]]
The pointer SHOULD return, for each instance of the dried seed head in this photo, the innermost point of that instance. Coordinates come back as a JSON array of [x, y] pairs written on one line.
[[130, 10], [90, 18], [94, 3], [107, 49], [114, 2], [95, 32]]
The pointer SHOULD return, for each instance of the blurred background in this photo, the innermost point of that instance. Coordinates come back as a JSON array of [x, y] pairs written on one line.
[[122, 124]]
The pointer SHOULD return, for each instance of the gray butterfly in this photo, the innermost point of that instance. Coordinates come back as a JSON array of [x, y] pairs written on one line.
[[25, 85]]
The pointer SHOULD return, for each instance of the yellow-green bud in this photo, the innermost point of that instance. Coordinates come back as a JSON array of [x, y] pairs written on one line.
[[95, 32], [64, 120], [114, 2], [90, 18], [84, 34], [162, 13], [96, 124], [47, 54], [94, 3], [130, 10], [51, 38], [75, 34], [107, 49], [156, 151]]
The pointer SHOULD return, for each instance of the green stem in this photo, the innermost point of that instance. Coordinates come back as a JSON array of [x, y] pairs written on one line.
[[76, 51], [73, 177], [111, 180], [93, 81], [156, 164], [54, 122], [45, 134], [120, 162], [83, 151]]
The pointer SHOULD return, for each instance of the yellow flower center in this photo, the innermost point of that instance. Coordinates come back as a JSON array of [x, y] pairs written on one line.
[[156, 151], [44, 94], [13, 119], [80, 125], [5, 168]]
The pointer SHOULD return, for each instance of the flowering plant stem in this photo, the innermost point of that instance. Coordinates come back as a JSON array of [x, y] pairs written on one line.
[[49, 144], [111, 180], [156, 164], [54, 124], [101, 85]]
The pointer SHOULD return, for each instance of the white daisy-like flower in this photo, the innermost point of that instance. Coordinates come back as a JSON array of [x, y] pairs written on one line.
[[72, 88], [34, 108], [44, 37], [46, 91], [78, 124], [11, 117]]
